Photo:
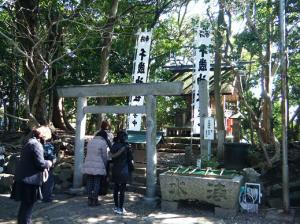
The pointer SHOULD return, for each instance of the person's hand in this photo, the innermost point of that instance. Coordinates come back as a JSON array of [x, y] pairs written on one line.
[[48, 163]]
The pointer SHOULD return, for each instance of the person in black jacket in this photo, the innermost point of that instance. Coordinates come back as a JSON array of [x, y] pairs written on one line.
[[121, 172], [29, 174]]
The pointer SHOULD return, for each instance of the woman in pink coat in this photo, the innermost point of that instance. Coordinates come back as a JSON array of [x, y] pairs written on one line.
[[95, 165]]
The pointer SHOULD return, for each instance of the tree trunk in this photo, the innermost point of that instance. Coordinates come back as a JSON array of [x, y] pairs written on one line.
[[264, 127], [55, 39], [107, 41], [57, 119], [51, 96], [12, 107], [267, 83], [284, 108], [293, 128], [217, 80], [38, 107], [66, 121], [27, 23], [105, 51]]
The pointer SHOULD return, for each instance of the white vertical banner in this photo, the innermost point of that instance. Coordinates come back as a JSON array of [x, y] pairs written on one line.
[[140, 75], [201, 72]]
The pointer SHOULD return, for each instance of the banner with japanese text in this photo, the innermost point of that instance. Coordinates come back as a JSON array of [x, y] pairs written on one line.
[[140, 75], [201, 72]]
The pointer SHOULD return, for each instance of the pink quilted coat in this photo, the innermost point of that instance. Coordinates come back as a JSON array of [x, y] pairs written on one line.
[[96, 157]]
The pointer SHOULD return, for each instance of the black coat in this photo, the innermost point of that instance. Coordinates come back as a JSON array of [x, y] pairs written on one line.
[[120, 170], [29, 172], [32, 163]]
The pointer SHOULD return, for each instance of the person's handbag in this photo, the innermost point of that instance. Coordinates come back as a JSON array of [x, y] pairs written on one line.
[[130, 164], [35, 179], [130, 161]]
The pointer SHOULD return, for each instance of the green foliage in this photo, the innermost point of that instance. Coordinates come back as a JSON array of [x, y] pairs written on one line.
[[81, 24], [167, 107], [213, 163], [249, 45], [249, 41], [170, 37]]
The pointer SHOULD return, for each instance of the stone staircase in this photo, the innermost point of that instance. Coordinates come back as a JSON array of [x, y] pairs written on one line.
[[170, 153], [178, 144], [138, 180]]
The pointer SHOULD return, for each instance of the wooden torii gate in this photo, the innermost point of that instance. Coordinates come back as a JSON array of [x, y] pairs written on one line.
[[149, 90]]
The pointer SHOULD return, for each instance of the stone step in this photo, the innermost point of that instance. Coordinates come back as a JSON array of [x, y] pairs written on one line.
[[141, 187], [175, 151], [166, 159], [170, 150], [138, 181], [137, 188], [185, 140], [178, 145], [179, 131], [138, 178], [139, 168]]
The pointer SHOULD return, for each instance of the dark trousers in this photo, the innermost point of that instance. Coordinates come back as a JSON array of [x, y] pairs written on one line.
[[47, 187], [93, 185], [119, 194], [25, 212]]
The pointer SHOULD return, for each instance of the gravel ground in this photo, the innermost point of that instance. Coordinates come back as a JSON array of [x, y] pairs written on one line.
[[73, 209]]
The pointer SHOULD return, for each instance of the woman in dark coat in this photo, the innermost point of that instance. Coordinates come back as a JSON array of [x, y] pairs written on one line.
[[29, 174], [121, 171]]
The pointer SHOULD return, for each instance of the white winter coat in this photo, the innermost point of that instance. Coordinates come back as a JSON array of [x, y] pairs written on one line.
[[96, 157]]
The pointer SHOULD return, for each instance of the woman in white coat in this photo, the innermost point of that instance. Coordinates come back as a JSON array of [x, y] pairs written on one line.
[[95, 165]]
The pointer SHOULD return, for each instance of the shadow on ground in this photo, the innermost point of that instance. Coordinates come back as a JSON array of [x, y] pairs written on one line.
[[66, 209]]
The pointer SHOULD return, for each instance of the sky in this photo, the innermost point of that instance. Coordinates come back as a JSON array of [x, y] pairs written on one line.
[[198, 7]]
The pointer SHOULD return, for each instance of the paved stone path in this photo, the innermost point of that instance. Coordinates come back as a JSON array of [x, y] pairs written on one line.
[[73, 209]]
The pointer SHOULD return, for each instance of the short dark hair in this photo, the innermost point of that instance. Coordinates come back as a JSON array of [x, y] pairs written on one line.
[[36, 133], [122, 136], [105, 125]]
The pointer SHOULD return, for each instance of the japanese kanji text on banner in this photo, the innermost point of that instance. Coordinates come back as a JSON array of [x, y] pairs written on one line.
[[201, 72], [140, 75]]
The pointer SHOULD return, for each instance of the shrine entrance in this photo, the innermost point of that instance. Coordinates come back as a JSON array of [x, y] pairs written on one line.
[[149, 90]]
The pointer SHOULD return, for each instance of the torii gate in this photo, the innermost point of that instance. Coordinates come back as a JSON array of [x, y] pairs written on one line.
[[149, 90]]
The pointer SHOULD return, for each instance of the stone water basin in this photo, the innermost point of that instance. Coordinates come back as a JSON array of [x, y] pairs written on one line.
[[218, 187]]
